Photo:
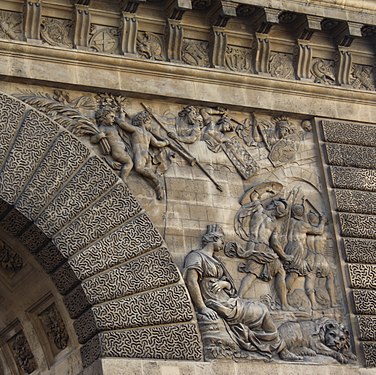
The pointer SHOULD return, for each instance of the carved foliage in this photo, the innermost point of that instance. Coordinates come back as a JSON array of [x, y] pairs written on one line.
[[22, 353], [195, 52], [281, 65], [131, 240], [150, 271], [363, 77], [238, 59], [10, 261], [150, 46], [323, 71], [57, 32], [54, 327], [10, 25], [62, 160], [32, 142], [114, 208], [93, 179]]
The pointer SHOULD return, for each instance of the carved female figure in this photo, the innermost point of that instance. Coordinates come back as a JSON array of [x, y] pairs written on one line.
[[214, 295]]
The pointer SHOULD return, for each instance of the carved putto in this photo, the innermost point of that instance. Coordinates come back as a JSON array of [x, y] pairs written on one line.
[[10, 261], [22, 353]]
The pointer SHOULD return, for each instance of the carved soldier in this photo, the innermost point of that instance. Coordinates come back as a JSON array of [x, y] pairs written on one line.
[[299, 265], [214, 296], [264, 252]]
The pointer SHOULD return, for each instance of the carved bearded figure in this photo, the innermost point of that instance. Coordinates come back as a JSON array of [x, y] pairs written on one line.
[[214, 295]]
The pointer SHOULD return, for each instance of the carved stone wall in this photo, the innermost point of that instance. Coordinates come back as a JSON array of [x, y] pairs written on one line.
[[41, 163], [349, 160]]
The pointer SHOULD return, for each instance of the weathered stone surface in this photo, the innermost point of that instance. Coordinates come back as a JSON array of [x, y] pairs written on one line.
[[64, 279], [356, 201], [129, 241], [11, 113], [34, 239], [90, 182], [64, 157], [346, 133], [362, 276], [32, 142], [353, 178], [14, 222], [360, 250], [367, 326], [115, 208], [150, 271], [365, 301], [351, 156], [369, 349], [76, 302], [353, 225], [50, 258], [173, 342]]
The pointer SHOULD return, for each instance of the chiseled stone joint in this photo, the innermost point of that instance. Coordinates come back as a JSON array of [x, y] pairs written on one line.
[[32, 20]]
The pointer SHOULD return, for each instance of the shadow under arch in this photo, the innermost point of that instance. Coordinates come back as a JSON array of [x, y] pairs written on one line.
[[93, 238]]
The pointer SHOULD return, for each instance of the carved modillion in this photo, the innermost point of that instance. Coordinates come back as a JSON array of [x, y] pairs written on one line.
[[81, 27], [262, 54], [304, 59], [32, 20], [344, 66], [129, 33]]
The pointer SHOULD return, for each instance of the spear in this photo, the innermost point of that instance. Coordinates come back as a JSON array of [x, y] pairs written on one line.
[[178, 147]]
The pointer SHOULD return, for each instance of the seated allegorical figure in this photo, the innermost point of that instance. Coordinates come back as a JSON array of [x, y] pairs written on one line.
[[214, 295]]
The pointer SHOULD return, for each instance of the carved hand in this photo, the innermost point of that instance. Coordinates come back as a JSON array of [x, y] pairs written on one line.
[[172, 135], [208, 313], [219, 285]]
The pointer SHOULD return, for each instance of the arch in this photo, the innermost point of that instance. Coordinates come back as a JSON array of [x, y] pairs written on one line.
[[92, 237]]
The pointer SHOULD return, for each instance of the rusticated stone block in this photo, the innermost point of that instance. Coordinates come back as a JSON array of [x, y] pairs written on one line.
[[14, 222], [90, 182], [132, 239], [362, 276], [164, 306], [369, 349], [162, 342], [114, 209], [353, 178], [32, 142], [64, 157], [367, 325], [11, 112], [356, 134], [34, 239], [356, 201], [351, 156], [355, 225], [50, 258], [365, 301], [154, 270], [65, 279], [360, 250], [76, 302]]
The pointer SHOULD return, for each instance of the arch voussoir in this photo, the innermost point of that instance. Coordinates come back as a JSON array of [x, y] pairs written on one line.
[[89, 233]]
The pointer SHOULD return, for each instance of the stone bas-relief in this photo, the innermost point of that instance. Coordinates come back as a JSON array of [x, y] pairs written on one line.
[[147, 142]]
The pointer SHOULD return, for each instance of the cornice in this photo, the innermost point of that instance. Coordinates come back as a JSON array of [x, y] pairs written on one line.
[[88, 71]]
